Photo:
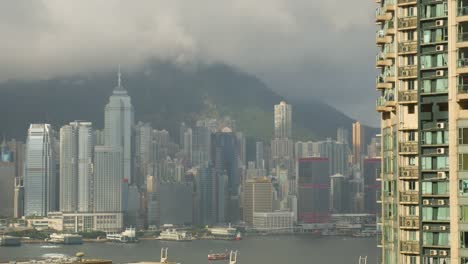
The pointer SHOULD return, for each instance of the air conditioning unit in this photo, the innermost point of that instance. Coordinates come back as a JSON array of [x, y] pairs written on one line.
[[405, 149], [441, 125], [426, 202], [404, 24], [426, 227], [443, 228], [433, 252], [440, 151], [440, 48], [440, 73], [440, 202], [439, 22], [405, 49], [404, 73], [405, 174], [443, 252], [405, 198], [442, 175]]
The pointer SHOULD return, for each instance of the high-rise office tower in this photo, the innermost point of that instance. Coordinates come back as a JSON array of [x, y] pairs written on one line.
[[358, 143], [313, 183], [423, 106], [201, 146], [342, 135], [283, 120], [338, 194], [76, 167], [108, 179], [7, 181], [40, 177], [259, 155], [258, 197], [188, 145], [118, 122]]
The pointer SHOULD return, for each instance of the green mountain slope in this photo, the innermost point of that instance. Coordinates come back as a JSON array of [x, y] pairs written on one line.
[[164, 95]]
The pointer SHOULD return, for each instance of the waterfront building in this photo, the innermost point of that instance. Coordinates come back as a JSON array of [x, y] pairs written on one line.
[[338, 194], [258, 197], [40, 177], [118, 124], [423, 106], [108, 179], [313, 180], [76, 167], [279, 221], [75, 222]]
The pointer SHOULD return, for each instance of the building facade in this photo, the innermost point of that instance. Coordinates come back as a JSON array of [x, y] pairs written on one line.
[[283, 120], [40, 177], [108, 179], [258, 197], [422, 62], [274, 221]]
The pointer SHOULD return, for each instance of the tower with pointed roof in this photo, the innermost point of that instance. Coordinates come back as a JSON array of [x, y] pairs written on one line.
[[118, 123]]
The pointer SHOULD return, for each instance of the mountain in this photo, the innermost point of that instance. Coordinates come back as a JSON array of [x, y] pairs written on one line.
[[165, 95]]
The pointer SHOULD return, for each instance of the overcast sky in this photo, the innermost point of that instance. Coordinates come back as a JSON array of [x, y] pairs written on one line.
[[300, 48]]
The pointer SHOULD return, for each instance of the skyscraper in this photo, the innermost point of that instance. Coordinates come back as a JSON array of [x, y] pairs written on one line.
[[258, 198], [283, 120], [423, 105], [108, 179], [76, 167], [358, 142], [40, 177], [118, 122]]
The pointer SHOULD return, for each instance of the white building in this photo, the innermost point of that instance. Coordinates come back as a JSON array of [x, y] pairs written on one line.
[[76, 167], [107, 179], [118, 122], [85, 222], [40, 177], [274, 221], [283, 120]]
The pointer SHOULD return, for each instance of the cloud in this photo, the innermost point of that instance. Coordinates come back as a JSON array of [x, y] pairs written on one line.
[[301, 48]]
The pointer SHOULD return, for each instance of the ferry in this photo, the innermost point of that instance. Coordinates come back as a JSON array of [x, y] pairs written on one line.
[[66, 239], [218, 256], [128, 236], [174, 235], [227, 233]]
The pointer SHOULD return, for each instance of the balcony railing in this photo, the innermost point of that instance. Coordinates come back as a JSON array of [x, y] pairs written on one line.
[[409, 46], [463, 88], [404, 2], [462, 62], [409, 147], [462, 36], [407, 22], [409, 222], [462, 11], [411, 247], [409, 197], [409, 172], [408, 71], [407, 96], [434, 90]]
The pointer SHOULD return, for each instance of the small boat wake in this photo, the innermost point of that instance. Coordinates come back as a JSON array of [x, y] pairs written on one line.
[[50, 246]]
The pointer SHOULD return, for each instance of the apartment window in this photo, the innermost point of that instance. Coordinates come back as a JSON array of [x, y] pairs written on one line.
[[412, 236], [410, 109], [412, 210], [464, 260], [411, 85], [463, 136], [411, 11], [463, 187], [463, 161], [411, 136], [412, 260], [412, 160], [464, 239], [464, 213], [411, 59], [412, 185]]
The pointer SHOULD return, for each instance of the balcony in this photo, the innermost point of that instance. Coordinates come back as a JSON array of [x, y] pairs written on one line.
[[382, 38], [408, 97], [462, 14], [409, 47], [409, 222], [409, 247], [378, 197], [381, 15], [409, 197], [407, 72], [381, 105], [382, 61], [409, 173], [462, 39], [462, 95], [381, 83], [406, 2], [407, 23], [389, 5], [409, 148]]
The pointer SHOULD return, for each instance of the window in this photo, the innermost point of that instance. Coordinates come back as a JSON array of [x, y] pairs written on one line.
[[463, 187], [463, 136], [412, 259], [412, 185], [411, 60], [463, 161], [412, 210], [464, 260], [411, 85], [412, 161], [464, 239], [410, 35], [463, 213], [411, 11], [411, 136], [410, 109]]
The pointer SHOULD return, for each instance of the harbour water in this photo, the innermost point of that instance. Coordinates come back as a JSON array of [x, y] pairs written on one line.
[[298, 249]]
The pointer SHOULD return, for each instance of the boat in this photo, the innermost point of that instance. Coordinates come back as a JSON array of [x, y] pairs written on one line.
[[238, 236], [227, 233], [50, 246], [218, 256], [9, 241], [174, 235], [128, 236], [66, 239]]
